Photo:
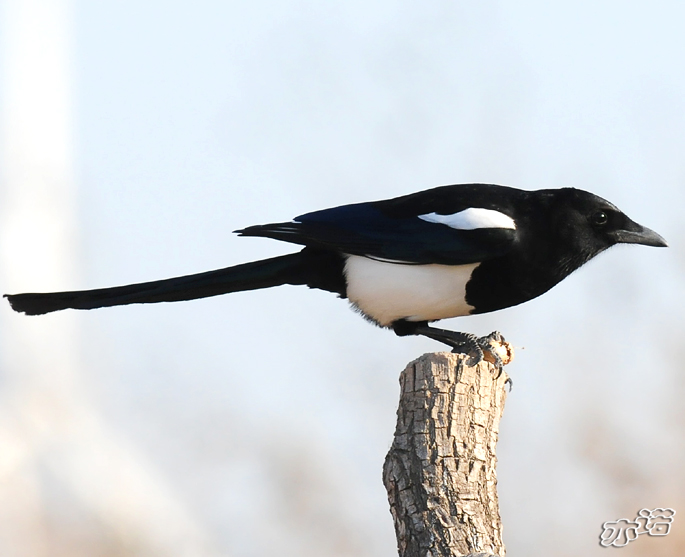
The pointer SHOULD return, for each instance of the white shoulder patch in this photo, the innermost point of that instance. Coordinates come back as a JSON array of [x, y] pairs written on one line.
[[470, 219]]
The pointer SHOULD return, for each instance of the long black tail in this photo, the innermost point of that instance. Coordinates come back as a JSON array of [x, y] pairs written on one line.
[[305, 267]]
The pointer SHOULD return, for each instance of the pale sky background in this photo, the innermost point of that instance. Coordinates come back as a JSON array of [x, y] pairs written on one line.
[[264, 417]]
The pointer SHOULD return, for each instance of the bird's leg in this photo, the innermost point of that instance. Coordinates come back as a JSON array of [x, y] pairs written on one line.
[[461, 343]]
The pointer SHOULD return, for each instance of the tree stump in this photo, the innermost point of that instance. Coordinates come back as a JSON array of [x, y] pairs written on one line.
[[440, 471]]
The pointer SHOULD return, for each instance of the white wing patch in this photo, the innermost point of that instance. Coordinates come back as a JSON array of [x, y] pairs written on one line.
[[471, 219]]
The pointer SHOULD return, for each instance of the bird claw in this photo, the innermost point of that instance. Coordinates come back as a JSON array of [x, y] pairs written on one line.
[[491, 348], [488, 345], [475, 354], [480, 348]]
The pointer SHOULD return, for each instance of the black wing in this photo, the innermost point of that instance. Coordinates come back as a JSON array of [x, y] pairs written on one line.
[[391, 230]]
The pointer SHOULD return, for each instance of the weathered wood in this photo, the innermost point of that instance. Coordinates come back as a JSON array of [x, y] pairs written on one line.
[[440, 471]]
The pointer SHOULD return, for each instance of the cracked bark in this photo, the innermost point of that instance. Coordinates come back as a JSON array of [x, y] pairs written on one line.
[[440, 471]]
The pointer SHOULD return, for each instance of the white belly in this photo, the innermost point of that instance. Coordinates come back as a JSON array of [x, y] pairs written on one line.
[[386, 292]]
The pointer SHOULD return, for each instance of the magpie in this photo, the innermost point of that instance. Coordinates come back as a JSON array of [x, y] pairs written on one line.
[[405, 262]]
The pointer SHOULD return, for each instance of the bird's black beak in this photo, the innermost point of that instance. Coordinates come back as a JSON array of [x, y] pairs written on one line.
[[634, 233]]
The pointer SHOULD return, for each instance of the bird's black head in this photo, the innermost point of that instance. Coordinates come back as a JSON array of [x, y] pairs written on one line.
[[586, 225]]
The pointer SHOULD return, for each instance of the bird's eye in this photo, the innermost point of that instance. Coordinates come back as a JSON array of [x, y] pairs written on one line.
[[599, 218]]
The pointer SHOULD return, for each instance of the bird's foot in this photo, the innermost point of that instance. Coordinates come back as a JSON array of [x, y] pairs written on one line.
[[496, 350], [491, 348], [461, 343]]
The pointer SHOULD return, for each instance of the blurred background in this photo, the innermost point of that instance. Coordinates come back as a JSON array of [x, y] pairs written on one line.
[[136, 136]]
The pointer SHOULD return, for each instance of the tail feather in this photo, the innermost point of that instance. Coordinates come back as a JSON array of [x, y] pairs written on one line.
[[287, 269]]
